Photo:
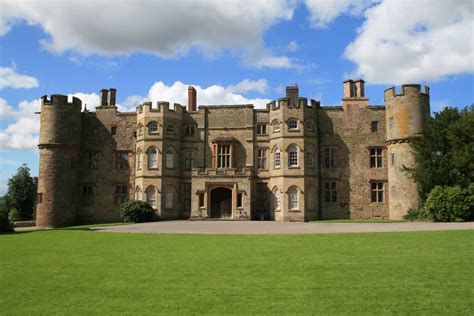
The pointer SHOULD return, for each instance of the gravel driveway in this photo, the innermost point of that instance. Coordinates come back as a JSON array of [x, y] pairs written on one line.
[[264, 227]]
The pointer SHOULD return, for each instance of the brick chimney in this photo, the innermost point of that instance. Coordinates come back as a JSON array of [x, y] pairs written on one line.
[[292, 95], [192, 97]]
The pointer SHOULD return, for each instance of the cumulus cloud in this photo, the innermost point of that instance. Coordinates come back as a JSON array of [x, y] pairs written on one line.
[[9, 78], [215, 94], [412, 41], [167, 28], [322, 12], [23, 131]]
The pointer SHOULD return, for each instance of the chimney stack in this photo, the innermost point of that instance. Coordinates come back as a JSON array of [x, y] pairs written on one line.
[[103, 97], [112, 93], [192, 99], [359, 85], [292, 95]]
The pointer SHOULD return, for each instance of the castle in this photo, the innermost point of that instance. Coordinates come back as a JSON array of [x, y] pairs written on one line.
[[293, 161]]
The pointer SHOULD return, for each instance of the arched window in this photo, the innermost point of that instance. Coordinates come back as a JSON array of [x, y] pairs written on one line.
[[151, 196], [138, 193], [276, 126], [292, 124], [310, 198], [188, 160], [169, 198], [277, 200], [140, 129], [152, 127], [293, 156], [309, 158], [293, 198], [277, 158], [170, 129], [152, 158], [139, 158], [169, 159]]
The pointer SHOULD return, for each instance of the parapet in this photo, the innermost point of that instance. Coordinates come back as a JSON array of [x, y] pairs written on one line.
[[405, 90], [61, 100]]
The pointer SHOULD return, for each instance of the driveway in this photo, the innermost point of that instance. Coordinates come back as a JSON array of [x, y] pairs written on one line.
[[264, 227]]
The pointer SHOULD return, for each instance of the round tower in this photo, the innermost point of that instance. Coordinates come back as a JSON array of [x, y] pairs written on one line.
[[405, 114], [59, 145]]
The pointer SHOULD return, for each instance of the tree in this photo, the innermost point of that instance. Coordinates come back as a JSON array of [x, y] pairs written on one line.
[[22, 193], [444, 153], [5, 225]]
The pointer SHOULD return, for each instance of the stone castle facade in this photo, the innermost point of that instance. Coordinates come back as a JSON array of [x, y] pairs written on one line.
[[293, 161]]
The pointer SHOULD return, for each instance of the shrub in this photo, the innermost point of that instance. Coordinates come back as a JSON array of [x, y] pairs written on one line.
[[137, 212], [13, 215], [415, 214], [447, 204], [5, 225]]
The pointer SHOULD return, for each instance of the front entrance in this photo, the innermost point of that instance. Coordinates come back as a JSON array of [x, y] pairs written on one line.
[[221, 203]]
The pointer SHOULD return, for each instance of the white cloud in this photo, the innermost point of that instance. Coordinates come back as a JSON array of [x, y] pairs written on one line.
[[411, 41], [167, 28], [9, 78], [322, 12], [213, 95], [292, 46], [247, 85]]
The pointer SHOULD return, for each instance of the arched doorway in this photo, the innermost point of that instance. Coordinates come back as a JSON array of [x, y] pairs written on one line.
[[221, 203]]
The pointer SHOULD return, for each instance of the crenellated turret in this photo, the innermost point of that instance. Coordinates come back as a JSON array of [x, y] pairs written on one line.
[[405, 114], [59, 146]]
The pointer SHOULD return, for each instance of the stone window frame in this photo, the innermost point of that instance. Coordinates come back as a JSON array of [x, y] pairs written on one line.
[[293, 124], [277, 158], [309, 126], [169, 199], [139, 159], [138, 193], [375, 126], [262, 158], [277, 199], [224, 155], [376, 154], [188, 157], [121, 160], [190, 130], [170, 159], [170, 130], [293, 156], [88, 194], [93, 160], [150, 150], [151, 198], [276, 126], [309, 157], [293, 198], [121, 194], [261, 129], [330, 156], [153, 127], [330, 191], [377, 191]]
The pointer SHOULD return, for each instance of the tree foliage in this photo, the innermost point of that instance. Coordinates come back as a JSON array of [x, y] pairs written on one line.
[[22, 193], [5, 225], [445, 152]]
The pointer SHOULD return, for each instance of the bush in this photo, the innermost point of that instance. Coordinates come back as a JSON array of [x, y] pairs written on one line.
[[5, 225], [415, 214], [448, 204], [137, 212], [13, 215]]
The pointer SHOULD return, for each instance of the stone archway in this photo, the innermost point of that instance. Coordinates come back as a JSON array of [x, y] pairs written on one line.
[[221, 203]]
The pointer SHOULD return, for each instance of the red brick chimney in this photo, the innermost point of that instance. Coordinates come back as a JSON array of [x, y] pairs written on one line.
[[191, 99]]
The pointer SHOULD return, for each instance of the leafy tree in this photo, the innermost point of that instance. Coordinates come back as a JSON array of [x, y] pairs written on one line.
[[22, 192], [445, 152], [448, 204], [136, 211], [5, 225]]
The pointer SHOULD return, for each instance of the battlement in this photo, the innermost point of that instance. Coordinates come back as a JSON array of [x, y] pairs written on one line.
[[405, 90], [61, 100]]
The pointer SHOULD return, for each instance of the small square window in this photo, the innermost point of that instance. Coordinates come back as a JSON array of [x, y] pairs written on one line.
[[261, 129], [292, 125], [377, 192], [170, 129], [375, 126]]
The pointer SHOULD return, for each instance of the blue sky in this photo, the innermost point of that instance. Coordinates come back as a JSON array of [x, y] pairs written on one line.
[[232, 51]]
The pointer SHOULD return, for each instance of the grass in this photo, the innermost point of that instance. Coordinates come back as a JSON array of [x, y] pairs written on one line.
[[85, 272]]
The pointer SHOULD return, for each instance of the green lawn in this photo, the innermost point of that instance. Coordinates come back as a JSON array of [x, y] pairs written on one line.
[[83, 272]]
